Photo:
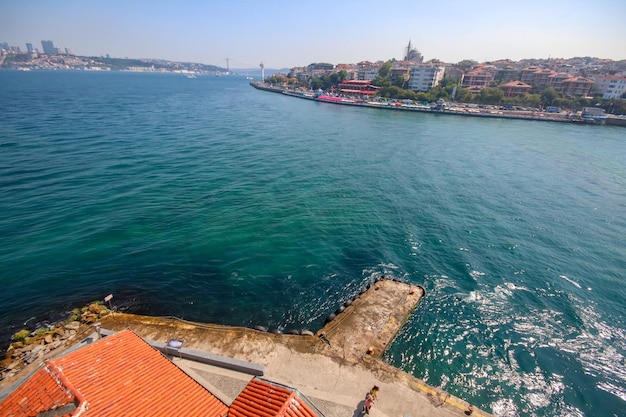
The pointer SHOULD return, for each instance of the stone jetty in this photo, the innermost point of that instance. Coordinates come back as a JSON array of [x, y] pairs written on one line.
[[334, 367]]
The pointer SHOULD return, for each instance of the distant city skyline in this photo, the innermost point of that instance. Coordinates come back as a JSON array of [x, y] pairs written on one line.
[[287, 34]]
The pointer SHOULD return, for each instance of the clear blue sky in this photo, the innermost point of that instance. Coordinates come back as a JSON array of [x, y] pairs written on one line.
[[296, 33]]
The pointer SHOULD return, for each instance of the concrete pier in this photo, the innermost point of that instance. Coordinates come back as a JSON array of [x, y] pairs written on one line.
[[370, 323], [333, 368]]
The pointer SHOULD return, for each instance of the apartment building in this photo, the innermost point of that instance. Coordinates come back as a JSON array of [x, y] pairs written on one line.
[[515, 89], [577, 87], [426, 76], [367, 71], [610, 86], [478, 78]]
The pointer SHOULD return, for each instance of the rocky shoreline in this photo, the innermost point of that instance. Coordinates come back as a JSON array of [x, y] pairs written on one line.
[[32, 347]]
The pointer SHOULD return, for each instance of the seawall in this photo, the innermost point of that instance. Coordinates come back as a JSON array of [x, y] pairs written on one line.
[[468, 112], [333, 367]]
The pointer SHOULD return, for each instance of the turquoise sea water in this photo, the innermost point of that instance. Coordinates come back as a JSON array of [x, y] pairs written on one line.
[[209, 200]]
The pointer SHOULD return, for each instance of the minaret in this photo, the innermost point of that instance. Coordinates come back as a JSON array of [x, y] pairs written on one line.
[[262, 72]]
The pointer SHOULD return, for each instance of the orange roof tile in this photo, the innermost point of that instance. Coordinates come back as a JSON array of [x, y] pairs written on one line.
[[516, 84], [578, 80], [39, 393], [263, 399], [122, 375]]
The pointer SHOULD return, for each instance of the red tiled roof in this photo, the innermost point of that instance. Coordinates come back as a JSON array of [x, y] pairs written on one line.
[[121, 375], [578, 80], [263, 399], [39, 393], [516, 84]]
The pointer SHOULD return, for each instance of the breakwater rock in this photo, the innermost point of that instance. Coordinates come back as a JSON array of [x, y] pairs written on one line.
[[31, 347]]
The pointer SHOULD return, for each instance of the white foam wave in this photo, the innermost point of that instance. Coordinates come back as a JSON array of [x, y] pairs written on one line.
[[505, 408], [540, 328], [475, 274], [571, 281], [472, 297]]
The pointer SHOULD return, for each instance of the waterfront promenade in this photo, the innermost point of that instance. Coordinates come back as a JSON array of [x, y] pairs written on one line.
[[333, 367], [455, 109]]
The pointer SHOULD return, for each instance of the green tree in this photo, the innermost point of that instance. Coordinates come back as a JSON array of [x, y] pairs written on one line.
[[438, 92], [381, 82], [466, 64], [491, 95], [548, 96], [445, 82], [463, 95], [532, 100], [399, 81], [320, 83], [392, 91], [338, 77], [565, 103], [385, 70], [275, 79], [423, 97]]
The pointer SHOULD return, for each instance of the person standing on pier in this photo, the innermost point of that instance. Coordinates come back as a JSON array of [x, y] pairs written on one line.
[[370, 397]]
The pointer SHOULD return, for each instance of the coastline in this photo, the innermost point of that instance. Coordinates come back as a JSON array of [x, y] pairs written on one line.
[[332, 367], [456, 111]]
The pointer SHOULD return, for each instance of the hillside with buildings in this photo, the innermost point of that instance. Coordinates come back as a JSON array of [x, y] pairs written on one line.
[[556, 82]]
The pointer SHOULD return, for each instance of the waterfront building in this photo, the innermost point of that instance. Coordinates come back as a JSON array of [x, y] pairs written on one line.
[[123, 374], [528, 73], [400, 69], [540, 78], [265, 398], [351, 71], [515, 89], [556, 80], [357, 87], [577, 86], [610, 86], [426, 76], [478, 78], [319, 69], [368, 71], [453, 72], [507, 74], [118, 375], [48, 47]]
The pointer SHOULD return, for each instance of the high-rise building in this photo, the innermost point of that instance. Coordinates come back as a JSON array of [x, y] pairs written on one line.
[[48, 47], [29, 47], [426, 76]]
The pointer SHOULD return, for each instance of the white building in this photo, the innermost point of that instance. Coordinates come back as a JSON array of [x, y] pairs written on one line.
[[611, 86], [426, 76], [368, 73]]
